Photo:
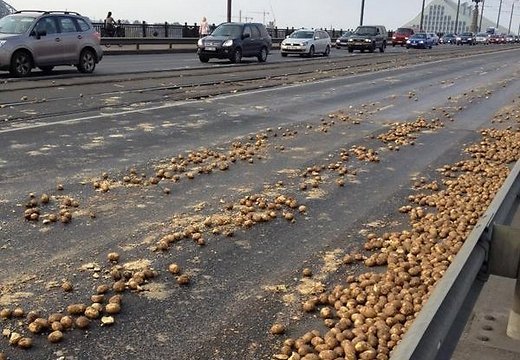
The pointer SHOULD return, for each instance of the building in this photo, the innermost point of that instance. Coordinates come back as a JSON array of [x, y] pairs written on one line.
[[5, 9], [440, 15]]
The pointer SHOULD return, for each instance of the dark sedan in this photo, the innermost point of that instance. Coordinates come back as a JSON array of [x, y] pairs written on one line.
[[342, 41], [448, 39], [466, 38]]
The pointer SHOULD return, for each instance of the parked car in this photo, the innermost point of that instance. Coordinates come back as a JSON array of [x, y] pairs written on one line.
[[466, 38], [369, 38], [306, 42], [234, 41], [435, 38], [46, 39], [448, 39], [342, 41], [401, 35], [482, 38], [420, 40]]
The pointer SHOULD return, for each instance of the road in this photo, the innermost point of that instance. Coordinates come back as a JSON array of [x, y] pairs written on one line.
[[230, 137]]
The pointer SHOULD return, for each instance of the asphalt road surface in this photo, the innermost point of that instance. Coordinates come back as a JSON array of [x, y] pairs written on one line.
[[224, 133]]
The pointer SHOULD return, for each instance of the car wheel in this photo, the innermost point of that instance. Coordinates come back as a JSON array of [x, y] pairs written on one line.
[[350, 50], [284, 54], [382, 48], [21, 64], [237, 56], [46, 69], [311, 51], [393, 45], [262, 57], [429, 47], [203, 58], [372, 48], [87, 61], [327, 51]]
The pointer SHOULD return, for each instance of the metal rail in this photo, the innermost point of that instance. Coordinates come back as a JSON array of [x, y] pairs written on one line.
[[437, 329]]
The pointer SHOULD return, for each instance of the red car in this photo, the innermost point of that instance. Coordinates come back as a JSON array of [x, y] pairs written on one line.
[[401, 36]]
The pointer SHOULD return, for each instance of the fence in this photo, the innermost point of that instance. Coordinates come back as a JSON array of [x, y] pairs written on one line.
[[185, 31]]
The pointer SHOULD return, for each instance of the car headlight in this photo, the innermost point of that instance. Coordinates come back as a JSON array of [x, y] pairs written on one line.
[[408, 41], [393, 37], [458, 38], [406, 38], [350, 40], [421, 42], [304, 43], [368, 40], [338, 41], [228, 43], [200, 43]]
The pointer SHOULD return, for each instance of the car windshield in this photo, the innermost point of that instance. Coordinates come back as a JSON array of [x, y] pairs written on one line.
[[366, 30], [420, 36], [482, 34], [449, 35], [466, 34], [15, 24], [302, 35], [404, 31], [228, 30]]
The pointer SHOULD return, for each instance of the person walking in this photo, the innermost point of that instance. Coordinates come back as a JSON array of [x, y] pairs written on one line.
[[204, 27], [110, 24]]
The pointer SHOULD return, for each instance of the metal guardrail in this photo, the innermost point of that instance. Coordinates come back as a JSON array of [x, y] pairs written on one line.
[[436, 331]]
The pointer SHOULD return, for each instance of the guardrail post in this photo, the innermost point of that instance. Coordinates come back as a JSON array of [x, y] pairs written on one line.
[[513, 326], [165, 29], [144, 28]]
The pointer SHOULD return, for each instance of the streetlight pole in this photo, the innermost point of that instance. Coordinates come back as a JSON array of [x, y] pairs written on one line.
[[511, 18], [457, 18], [229, 11], [362, 12], [422, 15], [499, 11], [481, 16]]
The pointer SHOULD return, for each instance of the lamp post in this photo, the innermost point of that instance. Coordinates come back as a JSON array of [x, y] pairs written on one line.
[[229, 11], [499, 11], [422, 15], [481, 16], [511, 18], [457, 18], [362, 12]]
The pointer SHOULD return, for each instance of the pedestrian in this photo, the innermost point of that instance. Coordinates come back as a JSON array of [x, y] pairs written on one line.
[[110, 24], [204, 27]]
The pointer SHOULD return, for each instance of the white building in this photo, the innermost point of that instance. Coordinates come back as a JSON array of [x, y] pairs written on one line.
[[440, 15]]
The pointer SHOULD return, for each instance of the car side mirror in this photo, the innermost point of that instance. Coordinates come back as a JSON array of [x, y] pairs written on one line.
[[245, 36]]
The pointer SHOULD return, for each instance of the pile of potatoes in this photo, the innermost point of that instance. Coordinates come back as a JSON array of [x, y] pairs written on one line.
[[368, 314], [401, 134], [247, 212], [34, 208]]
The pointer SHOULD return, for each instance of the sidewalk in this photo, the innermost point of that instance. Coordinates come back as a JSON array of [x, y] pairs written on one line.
[[485, 334]]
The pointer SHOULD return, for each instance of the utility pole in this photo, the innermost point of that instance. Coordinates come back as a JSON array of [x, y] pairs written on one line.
[[229, 11], [511, 18], [499, 11], [474, 20], [362, 12], [481, 16], [422, 16], [457, 18]]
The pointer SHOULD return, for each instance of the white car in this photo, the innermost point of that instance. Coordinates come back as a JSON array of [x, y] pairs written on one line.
[[305, 42], [482, 38], [435, 38]]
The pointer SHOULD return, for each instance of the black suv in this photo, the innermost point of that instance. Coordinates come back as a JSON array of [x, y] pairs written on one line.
[[368, 38], [235, 40]]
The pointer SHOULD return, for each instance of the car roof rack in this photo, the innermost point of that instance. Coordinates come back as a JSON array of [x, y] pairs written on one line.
[[48, 12]]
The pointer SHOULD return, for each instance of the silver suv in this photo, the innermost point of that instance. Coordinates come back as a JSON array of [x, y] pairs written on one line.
[[46, 39]]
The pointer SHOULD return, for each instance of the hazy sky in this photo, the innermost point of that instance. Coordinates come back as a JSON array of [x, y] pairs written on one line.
[[298, 13]]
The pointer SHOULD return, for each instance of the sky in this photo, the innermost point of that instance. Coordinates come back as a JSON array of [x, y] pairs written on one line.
[[338, 14]]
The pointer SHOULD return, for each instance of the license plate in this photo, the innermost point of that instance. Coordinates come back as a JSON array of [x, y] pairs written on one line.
[[211, 48]]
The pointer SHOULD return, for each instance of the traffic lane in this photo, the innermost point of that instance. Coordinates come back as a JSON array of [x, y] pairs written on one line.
[[77, 143], [233, 275], [124, 64]]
